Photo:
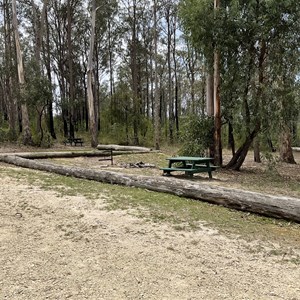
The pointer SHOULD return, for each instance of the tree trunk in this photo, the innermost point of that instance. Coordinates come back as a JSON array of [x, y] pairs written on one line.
[[240, 155], [70, 77], [39, 32], [157, 121], [91, 102], [209, 93], [256, 148], [271, 206], [48, 70], [170, 90], [217, 111], [231, 142], [176, 83], [134, 75], [10, 99], [217, 102], [286, 151], [27, 138]]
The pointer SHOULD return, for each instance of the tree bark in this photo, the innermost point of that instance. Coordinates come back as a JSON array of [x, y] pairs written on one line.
[[286, 151], [240, 155], [231, 142], [27, 138], [256, 148], [9, 97], [134, 75], [47, 55], [271, 206], [170, 84], [209, 93], [91, 102], [157, 121], [70, 76], [217, 102]]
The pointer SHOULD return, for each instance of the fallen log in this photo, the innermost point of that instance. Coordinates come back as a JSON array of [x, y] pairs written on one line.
[[62, 154], [123, 148], [70, 154], [272, 206], [296, 149]]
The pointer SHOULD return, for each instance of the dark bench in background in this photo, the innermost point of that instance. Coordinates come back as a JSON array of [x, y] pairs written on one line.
[[74, 141]]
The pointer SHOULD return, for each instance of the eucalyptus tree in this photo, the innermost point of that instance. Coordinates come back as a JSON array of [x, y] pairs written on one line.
[[249, 31], [170, 18], [157, 104], [38, 84], [67, 29], [217, 100], [106, 47], [91, 102], [27, 137], [8, 74], [134, 15]]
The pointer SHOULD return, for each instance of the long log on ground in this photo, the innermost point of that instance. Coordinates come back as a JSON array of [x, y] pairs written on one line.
[[296, 149], [272, 206], [70, 154], [62, 154], [123, 148]]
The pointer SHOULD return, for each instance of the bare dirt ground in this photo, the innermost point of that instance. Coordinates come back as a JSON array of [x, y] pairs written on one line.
[[55, 247]]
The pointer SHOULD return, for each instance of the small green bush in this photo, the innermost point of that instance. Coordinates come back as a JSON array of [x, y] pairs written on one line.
[[196, 135]]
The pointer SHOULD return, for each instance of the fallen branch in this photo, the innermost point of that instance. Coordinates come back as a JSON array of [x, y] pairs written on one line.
[[272, 206]]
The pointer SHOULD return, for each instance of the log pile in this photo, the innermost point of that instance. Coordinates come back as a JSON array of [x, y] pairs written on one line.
[[272, 206]]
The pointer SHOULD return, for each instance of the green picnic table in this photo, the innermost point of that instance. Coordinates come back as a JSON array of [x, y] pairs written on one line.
[[190, 165]]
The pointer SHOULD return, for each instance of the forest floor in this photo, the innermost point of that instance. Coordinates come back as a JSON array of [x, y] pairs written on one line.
[[58, 245]]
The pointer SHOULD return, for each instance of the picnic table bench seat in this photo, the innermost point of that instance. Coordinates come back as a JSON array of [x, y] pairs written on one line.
[[74, 141], [188, 171], [213, 167]]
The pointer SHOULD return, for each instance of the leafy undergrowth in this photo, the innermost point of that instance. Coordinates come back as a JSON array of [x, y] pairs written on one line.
[[181, 213]]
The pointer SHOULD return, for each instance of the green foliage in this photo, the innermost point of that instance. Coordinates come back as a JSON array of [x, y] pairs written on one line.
[[259, 46], [272, 162], [6, 134], [196, 135], [37, 88], [45, 141]]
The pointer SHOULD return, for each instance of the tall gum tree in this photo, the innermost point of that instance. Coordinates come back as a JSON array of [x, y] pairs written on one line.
[[157, 121], [91, 101], [217, 98], [27, 137], [9, 96], [251, 31]]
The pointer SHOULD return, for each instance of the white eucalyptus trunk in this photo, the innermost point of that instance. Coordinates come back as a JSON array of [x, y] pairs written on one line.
[[27, 138], [91, 101]]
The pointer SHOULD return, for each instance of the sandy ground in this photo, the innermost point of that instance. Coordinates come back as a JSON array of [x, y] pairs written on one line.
[[55, 247]]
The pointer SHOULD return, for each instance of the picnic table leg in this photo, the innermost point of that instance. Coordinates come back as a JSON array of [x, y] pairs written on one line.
[[209, 170], [189, 173]]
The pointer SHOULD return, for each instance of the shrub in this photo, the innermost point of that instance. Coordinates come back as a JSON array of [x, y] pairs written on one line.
[[196, 135]]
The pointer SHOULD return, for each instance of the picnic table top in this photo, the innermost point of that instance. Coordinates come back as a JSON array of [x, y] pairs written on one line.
[[189, 158]]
